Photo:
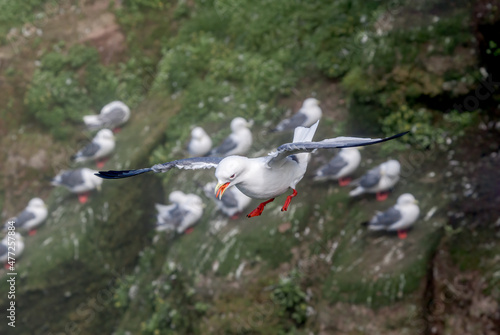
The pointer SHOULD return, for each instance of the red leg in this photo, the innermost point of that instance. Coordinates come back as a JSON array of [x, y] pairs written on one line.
[[402, 234], [235, 216], [83, 197], [100, 163], [117, 130], [32, 232], [344, 181], [381, 196], [258, 211], [288, 199], [189, 230]]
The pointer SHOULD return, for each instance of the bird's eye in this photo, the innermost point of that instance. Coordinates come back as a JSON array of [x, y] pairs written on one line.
[[232, 176]]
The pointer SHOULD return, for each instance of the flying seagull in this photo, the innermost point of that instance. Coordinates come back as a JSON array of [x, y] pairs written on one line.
[[233, 202], [262, 177], [31, 217], [307, 115], [101, 146], [111, 116], [79, 181], [238, 142], [340, 167], [398, 218], [200, 143], [181, 215], [378, 180]]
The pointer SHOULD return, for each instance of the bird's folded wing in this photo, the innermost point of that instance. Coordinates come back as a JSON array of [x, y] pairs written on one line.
[[330, 143], [226, 146], [194, 163]]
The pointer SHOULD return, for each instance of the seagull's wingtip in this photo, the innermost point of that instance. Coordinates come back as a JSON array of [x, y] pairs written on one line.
[[111, 174]]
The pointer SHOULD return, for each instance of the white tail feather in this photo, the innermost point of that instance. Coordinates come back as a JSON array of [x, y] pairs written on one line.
[[92, 121], [357, 191], [303, 134]]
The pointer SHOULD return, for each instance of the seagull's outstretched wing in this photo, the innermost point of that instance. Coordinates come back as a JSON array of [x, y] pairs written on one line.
[[194, 163], [330, 143]]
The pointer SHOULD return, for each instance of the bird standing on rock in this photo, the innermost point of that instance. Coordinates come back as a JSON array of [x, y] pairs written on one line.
[[340, 167], [379, 180], [308, 114], [238, 143], [262, 177], [398, 218]]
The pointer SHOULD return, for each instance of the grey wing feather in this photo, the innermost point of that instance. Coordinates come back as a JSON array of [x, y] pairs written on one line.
[[22, 218], [3, 249], [371, 178], [72, 178], [333, 167], [331, 143], [226, 146], [113, 117], [387, 218], [295, 121], [89, 150], [194, 163], [174, 217], [229, 200]]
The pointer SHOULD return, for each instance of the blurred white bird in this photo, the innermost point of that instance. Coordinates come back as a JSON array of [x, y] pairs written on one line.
[[340, 167], [16, 244], [79, 181], [378, 180], [398, 218], [111, 116], [233, 202], [238, 142], [181, 215], [31, 217], [262, 177], [308, 114], [200, 143], [99, 149]]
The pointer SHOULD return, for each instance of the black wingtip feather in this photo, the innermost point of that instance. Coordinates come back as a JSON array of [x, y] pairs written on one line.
[[379, 141], [121, 174]]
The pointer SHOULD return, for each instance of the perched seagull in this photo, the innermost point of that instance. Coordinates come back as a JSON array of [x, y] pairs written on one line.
[[79, 181], [181, 215], [233, 202], [99, 149], [307, 115], [399, 217], [340, 167], [112, 115], [262, 177], [200, 143], [238, 142], [16, 245], [31, 217], [379, 180]]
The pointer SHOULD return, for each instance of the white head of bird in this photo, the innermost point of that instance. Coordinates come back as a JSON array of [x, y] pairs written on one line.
[[391, 168], [407, 199], [239, 123], [229, 173], [176, 197], [105, 134], [310, 102], [36, 203], [198, 132]]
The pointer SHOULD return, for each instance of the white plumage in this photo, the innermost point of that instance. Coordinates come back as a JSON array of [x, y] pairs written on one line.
[[308, 114], [342, 165], [102, 145], [111, 116], [183, 212], [238, 142], [379, 179], [16, 243], [200, 143], [233, 202], [32, 216]]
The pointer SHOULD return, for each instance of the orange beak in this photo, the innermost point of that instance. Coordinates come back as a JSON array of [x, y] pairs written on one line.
[[220, 189]]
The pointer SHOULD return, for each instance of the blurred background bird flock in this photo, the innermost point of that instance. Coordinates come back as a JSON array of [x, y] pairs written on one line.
[[400, 237]]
